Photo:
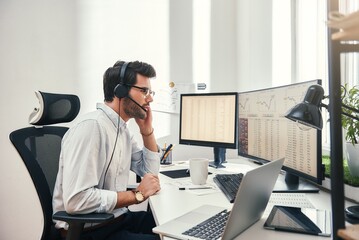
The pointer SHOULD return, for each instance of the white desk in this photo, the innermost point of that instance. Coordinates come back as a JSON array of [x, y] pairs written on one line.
[[170, 203]]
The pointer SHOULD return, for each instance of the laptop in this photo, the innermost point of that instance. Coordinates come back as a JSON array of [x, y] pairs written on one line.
[[249, 205]]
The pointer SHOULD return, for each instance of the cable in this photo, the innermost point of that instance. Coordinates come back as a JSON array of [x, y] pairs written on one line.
[[114, 148]]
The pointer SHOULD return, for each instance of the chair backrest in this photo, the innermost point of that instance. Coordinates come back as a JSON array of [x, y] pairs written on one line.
[[40, 146]]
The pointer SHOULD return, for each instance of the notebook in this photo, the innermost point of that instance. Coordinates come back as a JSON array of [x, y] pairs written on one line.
[[251, 200]]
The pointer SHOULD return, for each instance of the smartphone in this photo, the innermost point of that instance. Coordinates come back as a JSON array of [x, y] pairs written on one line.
[[300, 220]]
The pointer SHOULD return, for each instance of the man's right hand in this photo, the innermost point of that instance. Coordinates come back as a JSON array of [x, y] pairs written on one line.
[[150, 184]]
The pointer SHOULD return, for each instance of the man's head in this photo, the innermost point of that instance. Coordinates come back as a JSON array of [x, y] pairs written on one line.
[[132, 79]]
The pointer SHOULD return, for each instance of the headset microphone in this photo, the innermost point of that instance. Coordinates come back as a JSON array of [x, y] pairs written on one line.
[[144, 109]]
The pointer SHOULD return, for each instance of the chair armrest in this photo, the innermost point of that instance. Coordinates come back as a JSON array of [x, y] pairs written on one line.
[[83, 218], [77, 222]]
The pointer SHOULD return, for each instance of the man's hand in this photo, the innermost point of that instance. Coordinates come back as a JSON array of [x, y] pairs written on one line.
[[145, 125], [146, 131], [150, 184]]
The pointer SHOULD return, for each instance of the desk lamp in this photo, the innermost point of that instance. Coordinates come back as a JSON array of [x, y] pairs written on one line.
[[309, 114]]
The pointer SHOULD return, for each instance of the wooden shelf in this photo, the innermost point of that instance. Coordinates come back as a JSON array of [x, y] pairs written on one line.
[[346, 24], [350, 233]]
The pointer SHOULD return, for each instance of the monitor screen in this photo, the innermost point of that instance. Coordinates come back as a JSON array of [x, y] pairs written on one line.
[[264, 133], [209, 119]]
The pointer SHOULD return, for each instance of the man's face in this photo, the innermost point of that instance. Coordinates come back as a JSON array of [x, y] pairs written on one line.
[[138, 94]]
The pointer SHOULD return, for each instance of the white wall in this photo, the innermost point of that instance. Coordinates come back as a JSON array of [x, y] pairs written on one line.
[[65, 46], [37, 52]]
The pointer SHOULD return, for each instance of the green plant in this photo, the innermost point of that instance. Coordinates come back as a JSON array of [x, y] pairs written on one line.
[[350, 98], [348, 178]]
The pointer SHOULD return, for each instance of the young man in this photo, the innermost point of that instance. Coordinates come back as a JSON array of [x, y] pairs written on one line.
[[98, 153]]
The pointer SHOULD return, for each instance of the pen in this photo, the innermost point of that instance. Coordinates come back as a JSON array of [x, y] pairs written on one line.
[[258, 162], [167, 151], [193, 188], [166, 154], [168, 148]]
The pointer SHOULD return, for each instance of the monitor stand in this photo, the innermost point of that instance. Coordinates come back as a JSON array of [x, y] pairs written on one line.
[[219, 157], [292, 183]]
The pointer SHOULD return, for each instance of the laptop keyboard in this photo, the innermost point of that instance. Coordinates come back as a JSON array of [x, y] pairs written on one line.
[[211, 228], [229, 184]]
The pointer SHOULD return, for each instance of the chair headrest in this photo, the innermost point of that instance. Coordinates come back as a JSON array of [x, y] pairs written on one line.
[[55, 108]]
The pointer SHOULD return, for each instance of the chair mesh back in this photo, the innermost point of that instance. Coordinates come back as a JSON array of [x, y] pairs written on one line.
[[39, 149], [46, 151]]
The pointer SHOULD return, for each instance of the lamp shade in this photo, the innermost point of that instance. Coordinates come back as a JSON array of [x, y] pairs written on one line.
[[308, 112]]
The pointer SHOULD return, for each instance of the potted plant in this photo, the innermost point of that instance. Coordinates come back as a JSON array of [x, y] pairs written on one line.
[[350, 98]]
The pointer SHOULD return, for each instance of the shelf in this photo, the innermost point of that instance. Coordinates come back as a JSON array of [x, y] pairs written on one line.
[[343, 21], [346, 48], [349, 233], [347, 24]]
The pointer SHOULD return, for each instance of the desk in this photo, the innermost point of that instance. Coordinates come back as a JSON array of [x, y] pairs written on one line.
[[170, 203]]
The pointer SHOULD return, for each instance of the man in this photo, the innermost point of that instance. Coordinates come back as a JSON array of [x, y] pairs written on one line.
[[98, 152]]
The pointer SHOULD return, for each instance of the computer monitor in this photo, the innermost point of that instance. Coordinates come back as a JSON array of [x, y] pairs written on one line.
[[210, 120], [265, 134]]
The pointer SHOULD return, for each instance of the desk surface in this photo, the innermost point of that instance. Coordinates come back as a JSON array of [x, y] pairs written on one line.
[[171, 202]]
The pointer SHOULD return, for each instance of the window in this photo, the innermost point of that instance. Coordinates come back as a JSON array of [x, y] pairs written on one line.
[[300, 45]]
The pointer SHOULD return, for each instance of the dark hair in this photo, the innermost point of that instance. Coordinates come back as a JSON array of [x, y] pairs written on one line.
[[111, 76]]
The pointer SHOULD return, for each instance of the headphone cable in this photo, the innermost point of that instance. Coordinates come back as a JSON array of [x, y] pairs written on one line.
[[114, 148]]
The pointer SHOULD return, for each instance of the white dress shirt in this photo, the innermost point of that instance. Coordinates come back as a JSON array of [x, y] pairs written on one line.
[[95, 164]]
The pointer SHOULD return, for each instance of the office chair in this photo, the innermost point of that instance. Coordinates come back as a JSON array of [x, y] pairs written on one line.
[[39, 147]]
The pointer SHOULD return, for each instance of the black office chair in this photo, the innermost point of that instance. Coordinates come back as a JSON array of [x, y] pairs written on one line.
[[39, 148]]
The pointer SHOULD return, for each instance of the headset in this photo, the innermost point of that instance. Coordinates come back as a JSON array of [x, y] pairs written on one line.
[[121, 90]]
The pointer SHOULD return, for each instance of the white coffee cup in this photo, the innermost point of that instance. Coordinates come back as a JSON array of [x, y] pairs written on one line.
[[198, 168]]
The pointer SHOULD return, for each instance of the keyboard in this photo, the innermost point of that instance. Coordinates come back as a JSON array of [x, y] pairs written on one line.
[[211, 228], [288, 199], [229, 184]]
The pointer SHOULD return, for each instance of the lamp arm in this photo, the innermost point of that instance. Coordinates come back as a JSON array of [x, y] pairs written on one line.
[[324, 105], [351, 116], [350, 108], [344, 113]]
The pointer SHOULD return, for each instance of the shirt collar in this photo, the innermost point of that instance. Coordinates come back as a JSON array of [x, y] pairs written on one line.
[[112, 115]]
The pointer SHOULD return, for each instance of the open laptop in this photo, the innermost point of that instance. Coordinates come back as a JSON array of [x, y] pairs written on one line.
[[249, 205]]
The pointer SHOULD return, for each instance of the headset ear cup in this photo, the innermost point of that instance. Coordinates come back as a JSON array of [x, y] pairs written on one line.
[[121, 91]]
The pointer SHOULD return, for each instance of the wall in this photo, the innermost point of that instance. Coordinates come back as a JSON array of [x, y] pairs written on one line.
[[37, 51], [65, 46]]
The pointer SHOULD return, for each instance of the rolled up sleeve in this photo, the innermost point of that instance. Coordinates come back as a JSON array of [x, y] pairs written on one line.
[[144, 160]]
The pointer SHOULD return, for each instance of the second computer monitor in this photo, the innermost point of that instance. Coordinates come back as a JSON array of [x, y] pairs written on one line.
[[265, 134]]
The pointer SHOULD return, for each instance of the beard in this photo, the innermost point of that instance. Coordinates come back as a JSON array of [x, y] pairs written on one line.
[[132, 110]]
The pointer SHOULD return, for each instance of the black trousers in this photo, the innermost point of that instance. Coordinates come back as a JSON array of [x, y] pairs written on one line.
[[135, 225]]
